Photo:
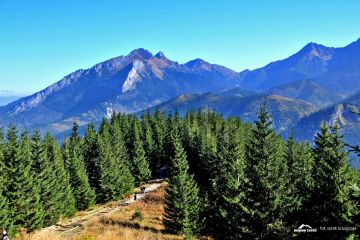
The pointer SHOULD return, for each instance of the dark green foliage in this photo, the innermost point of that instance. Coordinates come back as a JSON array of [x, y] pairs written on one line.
[[182, 203], [229, 186], [84, 195], [266, 173], [91, 152], [22, 192], [139, 164], [138, 215], [227, 179], [147, 138], [115, 178], [63, 197], [125, 180], [330, 198], [299, 180], [5, 220], [31, 193], [159, 134], [46, 178]]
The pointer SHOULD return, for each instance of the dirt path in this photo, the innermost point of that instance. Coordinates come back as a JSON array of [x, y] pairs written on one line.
[[77, 224]]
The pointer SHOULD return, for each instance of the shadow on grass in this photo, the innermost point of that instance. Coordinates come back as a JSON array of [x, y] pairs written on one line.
[[129, 225]]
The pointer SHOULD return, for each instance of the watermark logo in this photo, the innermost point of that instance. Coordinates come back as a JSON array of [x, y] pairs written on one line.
[[305, 228]]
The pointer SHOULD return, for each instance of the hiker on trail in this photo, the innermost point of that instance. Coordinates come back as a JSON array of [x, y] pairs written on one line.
[[4, 235], [135, 197], [142, 189]]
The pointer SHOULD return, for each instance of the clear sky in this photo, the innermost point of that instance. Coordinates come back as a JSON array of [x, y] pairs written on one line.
[[43, 40]]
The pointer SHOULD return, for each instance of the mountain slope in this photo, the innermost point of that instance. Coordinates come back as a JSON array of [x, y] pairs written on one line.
[[285, 111], [340, 113], [309, 91], [123, 84], [336, 68]]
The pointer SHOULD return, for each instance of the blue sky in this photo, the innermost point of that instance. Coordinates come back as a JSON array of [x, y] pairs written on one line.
[[43, 40]]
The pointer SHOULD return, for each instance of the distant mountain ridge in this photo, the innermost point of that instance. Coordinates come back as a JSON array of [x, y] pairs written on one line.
[[123, 84], [309, 91], [336, 68], [313, 78], [286, 112]]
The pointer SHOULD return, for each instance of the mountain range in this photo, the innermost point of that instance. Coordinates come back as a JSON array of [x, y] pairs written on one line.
[[316, 83]]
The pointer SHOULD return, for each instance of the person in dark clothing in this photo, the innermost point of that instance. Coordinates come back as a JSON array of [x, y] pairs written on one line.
[[135, 197]]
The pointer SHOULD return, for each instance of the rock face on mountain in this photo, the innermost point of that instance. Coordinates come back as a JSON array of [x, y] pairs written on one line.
[[340, 113], [286, 112], [122, 84], [336, 68]]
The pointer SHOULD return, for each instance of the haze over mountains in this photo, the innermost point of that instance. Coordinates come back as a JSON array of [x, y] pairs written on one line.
[[307, 85]]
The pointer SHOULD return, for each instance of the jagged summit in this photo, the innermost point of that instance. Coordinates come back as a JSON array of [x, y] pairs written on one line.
[[316, 49], [160, 55], [141, 52], [197, 63], [126, 83]]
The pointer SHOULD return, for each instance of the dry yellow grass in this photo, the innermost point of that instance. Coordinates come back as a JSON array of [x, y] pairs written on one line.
[[120, 225]]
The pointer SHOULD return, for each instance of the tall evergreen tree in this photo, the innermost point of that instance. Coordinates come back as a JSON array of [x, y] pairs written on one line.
[[23, 194], [266, 188], [63, 199], [330, 199], [299, 181], [35, 217], [148, 140], [182, 203], [139, 164], [159, 128], [124, 180], [5, 220], [229, 186], [84, 195], [115, 179], [91, 152], [45, 179]]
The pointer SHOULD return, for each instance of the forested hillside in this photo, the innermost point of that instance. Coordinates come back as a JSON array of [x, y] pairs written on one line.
[[226, 179]]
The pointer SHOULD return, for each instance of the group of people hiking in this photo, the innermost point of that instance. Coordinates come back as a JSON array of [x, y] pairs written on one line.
[[142, 190]]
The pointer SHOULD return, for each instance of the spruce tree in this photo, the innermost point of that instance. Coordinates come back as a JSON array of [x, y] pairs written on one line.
[[45, 179], [5, 220], [266, 185], [84, 195], [229, 186], [115, 179], [35, 213], [330, 199], [182, 203], [91, 152], [299, 159], [124, 180], [107, 168], [139, 164], [159, 128], [64, 202], [148, 140], [22, 192]]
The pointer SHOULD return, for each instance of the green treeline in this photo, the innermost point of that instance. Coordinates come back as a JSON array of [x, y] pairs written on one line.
[[226, 178]]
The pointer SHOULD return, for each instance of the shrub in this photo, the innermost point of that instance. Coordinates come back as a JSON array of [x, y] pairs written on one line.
[[137, 215]]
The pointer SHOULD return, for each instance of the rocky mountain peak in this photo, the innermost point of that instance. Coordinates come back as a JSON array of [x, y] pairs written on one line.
[[160, 55], [198, 63], [314, 50], [141, 52]]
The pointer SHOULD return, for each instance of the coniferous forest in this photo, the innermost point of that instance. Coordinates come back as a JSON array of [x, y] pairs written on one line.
[[226, 179]]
